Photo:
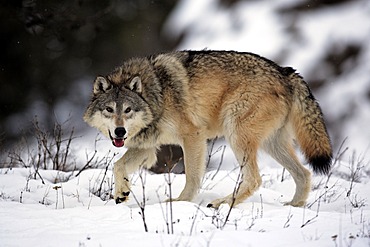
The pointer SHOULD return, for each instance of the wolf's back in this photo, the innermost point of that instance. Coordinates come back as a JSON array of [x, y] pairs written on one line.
[[309, 127]]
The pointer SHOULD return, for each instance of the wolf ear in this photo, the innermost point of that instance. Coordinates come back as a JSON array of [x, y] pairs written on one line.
[[101, 85], [136, 85]]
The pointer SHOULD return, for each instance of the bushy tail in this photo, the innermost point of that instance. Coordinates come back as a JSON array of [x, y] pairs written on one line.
[[309, 127]]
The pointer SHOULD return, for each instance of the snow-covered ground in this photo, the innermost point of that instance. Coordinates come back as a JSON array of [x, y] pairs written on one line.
[[70, 214], [54, 208]]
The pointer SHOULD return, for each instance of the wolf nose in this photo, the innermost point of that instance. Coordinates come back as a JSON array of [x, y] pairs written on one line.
[[120, 132]]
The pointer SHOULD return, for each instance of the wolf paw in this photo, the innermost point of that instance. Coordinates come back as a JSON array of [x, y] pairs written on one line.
[[217, 203], [173, 200], [123, 197], [178, 199], [295, 204]]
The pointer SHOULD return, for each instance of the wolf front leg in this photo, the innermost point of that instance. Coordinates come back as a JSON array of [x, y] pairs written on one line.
[[194, 148], [129, 163]]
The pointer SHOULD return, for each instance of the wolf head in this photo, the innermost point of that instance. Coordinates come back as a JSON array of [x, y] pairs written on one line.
[[124, 103]]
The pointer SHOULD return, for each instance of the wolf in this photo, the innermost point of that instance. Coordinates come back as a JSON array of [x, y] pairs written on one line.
[[188, 97]]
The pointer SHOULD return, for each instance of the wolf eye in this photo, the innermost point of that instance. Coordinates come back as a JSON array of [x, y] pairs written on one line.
[[128, 110], [109, 109]]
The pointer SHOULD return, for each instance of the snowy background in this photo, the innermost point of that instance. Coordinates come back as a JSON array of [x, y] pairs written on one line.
[[41, 207]]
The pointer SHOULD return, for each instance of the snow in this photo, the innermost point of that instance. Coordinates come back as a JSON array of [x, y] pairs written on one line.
[[69, 214], [55, 208], [66, 211]]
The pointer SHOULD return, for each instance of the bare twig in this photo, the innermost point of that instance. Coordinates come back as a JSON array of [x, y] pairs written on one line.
[[289, 217], [56, 187], [99, 191], [169, 183], [143, 203], [194, 219], [282, 175], [235, 192], [220, 163], [87, 165], [165, 215], [213, 142], [313, 218]]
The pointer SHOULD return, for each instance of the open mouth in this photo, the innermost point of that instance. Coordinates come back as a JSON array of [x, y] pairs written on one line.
[[117, 142]]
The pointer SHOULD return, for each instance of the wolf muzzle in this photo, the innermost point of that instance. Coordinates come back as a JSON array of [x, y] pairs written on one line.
[[118, 140]]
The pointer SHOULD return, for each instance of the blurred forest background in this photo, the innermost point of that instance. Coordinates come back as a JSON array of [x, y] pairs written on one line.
[[49, 48], [52, 50]]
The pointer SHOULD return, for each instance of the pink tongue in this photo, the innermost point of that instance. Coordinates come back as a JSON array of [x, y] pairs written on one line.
[[118, 142]]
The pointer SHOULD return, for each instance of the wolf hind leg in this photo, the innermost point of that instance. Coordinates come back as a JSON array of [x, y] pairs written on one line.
[[249, 180], [246, 128], [279, 147], [129, 163]]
